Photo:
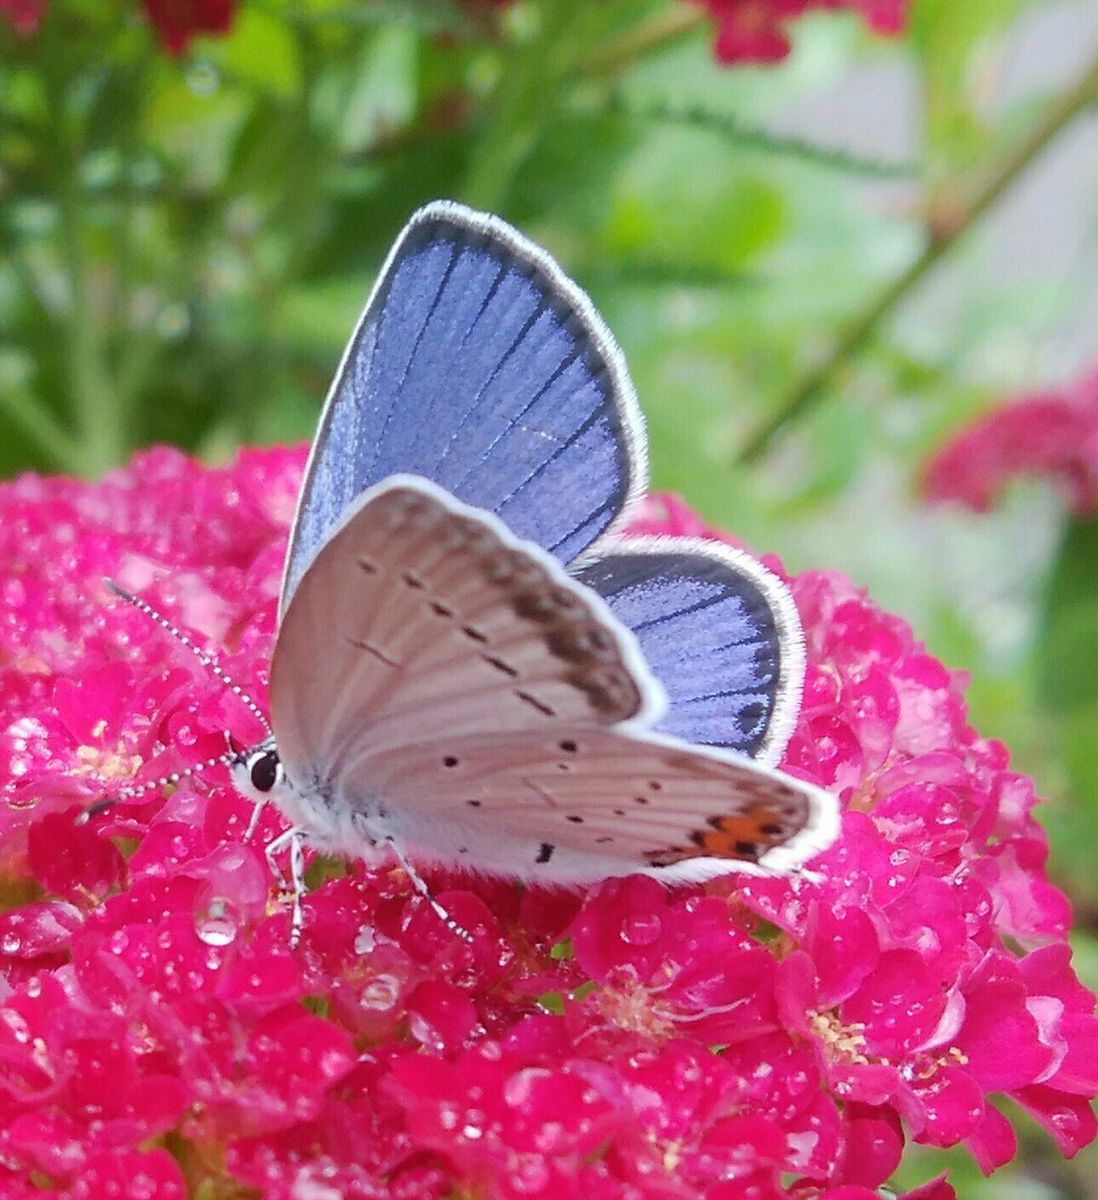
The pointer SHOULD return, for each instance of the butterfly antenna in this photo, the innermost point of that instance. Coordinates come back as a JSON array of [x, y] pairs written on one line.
[[209, 663], [152, 785]]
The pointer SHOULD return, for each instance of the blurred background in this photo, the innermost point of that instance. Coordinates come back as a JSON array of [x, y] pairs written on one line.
[[829, 235]]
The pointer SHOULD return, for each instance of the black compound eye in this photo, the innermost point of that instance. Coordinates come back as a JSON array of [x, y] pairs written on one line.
[[264, 771]]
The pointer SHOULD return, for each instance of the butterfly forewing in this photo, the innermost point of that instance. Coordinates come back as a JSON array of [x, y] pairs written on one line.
[[720, 632], [479, 365], [422, 618], [576, 804]]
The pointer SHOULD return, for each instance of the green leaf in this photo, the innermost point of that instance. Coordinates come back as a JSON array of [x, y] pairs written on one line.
[[676, 188], [1067, 677], [261, 52], [951, 38]]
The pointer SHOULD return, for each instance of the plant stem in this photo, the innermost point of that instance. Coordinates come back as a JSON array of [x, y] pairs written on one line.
[[970, 204], [42, 429], [99, 438], [670, 25], [528, 95]]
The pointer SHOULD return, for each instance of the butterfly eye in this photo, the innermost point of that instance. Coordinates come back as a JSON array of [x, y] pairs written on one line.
[[265, 770]]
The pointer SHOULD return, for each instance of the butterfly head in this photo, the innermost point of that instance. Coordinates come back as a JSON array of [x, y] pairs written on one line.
[[257, 770]]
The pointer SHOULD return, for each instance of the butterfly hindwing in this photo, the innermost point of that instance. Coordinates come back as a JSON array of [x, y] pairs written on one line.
[[577, 804], [422, 618], [479, 365], [720, 632]]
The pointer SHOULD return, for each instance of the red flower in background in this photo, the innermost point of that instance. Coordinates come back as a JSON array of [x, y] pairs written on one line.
[[23, 15], [757, 30], [635, 1042], [178, 21], [747, 30], [1053, 433]]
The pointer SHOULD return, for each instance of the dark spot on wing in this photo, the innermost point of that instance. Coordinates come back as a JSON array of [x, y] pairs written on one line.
[[546, 852], [582, 643], [500, 664], [534, 702], [441, 610], [413, 580], [750, 717], [369, 567], [575, 820], [474, 634], [376, 651], [449, 761], [608, 689], [568, 746], [473, 803]]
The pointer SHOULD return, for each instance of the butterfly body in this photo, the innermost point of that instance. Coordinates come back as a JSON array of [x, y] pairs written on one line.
[[484, 709], [475, 667]]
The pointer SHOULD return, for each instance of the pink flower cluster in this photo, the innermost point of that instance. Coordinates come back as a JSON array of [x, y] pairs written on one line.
[[1052, 433], [757, 30], [158, 1036]]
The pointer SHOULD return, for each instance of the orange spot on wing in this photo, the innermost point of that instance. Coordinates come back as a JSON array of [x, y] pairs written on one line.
[[745, 836]]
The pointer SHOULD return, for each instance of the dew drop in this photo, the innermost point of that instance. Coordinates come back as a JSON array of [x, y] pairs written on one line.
[[219, 926], [142, 1187], [380, 994], [641, 930]]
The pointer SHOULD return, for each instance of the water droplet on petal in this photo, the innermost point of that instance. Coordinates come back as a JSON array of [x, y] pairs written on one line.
[[642, 929]]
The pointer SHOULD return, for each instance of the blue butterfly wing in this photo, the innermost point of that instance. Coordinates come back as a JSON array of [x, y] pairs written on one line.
[[479, 365], [719, 631]]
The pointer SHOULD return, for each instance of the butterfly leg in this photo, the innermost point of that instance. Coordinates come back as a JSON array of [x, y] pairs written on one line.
[[253, 821], [420, 885], [295, 839]]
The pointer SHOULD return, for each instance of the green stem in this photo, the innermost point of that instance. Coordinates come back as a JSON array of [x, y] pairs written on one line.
[[42, 429], [527, 96], [970, 205], [670, 25], [98, 434]]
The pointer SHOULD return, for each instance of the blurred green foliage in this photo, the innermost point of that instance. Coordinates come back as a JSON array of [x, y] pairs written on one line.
[[186, 244]]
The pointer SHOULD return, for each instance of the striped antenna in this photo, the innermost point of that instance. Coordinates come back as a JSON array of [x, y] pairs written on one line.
[[210, 664], [153, 785]]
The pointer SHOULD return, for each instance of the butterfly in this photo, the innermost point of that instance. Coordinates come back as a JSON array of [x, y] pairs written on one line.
[[475, 666]]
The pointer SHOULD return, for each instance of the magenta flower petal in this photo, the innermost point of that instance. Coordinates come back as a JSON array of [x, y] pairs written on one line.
[[134, 1175], [70, 860], [1069, 1119], [993, 1142], [874, 1144], [1000, 1039]]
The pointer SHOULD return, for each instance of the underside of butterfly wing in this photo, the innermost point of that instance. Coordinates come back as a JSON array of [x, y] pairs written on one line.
[[719, 631], [480, 365], [574, 805], [422, 618]]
